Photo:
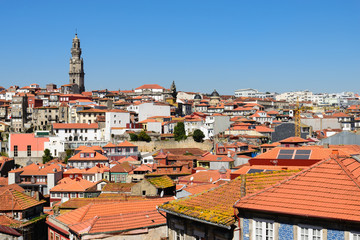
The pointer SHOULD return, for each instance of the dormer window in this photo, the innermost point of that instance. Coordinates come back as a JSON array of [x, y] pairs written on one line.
[[91, 155], [82, 155]]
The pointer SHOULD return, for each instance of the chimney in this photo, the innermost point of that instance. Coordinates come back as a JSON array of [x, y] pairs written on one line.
[[335, 152]]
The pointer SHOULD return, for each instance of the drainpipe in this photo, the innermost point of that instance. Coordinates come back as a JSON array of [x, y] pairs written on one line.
[[238, 223]]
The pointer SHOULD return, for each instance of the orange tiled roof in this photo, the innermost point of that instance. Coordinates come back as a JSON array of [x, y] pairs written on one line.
[[216, 205], [216, 158], [124, 167], [203, 177], [161, 182], [110, 209], [329, 189], [11, 199], [119, 223], [75, 126], [97, 156], [126, 144], [39, 169], [199, 188], [294, 140], [150, 86], [75, 203], [8, 221], [118, 187], [72, 185]]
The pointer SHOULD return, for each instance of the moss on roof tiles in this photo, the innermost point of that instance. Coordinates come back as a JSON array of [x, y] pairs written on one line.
[[161, 182], [216, 205]]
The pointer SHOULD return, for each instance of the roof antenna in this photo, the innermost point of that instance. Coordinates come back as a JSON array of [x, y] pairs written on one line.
[[76, 31]]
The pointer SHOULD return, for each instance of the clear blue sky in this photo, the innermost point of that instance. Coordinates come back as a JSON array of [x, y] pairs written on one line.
[[202, 45]]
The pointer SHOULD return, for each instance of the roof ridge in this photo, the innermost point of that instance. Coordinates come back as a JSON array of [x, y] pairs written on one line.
[[346, 170], [87, 207], [284, 181]]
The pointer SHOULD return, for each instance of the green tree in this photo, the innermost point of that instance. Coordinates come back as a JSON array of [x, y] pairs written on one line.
[[144, 137], [68, 153], [133, 137], [179, 131], [198, 135], [47, 156]]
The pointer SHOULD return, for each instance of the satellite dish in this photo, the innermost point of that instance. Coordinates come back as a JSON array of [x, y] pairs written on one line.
[[192, 178], [162, 193], [210, 179]]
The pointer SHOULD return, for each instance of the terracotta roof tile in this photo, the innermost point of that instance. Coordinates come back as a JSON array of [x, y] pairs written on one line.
[[329, 189], [11, 199], [208, 176], [109, 209], [8, 221], [216, 205], [72, 185], [118, 187], [161, 182], [75, 126]]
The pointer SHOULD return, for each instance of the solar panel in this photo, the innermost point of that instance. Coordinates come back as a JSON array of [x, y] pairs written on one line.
[[285, 156], [286, 151], [255, 170], [302, 156], [307, 152]]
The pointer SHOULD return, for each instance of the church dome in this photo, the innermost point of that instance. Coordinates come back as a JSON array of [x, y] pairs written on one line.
[[215, 94], [197, 96]]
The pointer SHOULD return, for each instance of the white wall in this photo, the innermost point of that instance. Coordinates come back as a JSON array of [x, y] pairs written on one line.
[[115, 120], [147, 110], [55, 146]]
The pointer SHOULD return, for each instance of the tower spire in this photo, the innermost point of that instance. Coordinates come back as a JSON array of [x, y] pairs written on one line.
[[76, 73]]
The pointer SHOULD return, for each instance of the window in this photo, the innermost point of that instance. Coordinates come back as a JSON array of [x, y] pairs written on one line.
[[81, 195], [15, 150], [309, 232], [73, 195], [355, 236], [179, 234], [51, 235], [263, 230], [29, 150]]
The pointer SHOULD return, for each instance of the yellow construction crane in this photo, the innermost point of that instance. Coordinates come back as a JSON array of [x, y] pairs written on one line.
[[297, 119]]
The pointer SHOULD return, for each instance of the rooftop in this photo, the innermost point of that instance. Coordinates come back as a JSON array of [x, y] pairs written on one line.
[[329, 189], [216, 205]]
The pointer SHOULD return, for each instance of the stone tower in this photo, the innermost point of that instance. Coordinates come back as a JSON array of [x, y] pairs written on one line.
[[76, 73]]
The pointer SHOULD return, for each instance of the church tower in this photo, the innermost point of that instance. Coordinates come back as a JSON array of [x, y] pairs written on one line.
[[76, 73]]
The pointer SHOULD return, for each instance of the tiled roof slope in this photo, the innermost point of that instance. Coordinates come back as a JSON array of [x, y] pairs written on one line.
[[127, 221], [118, 187], [329, 189], [8, 221], [72, 185], [103, 198], [109, 209], [161, 182], [17, 201], [216, 205]]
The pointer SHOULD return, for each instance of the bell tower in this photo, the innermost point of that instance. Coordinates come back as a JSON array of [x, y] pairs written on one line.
[[76, 73]]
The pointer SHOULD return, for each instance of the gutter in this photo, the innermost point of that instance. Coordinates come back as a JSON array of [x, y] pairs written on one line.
[[124, 230], [194, 219]]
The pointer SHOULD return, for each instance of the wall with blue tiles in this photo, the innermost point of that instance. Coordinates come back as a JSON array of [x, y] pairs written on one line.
[[335, 235], [246, 231], [286, 232]]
